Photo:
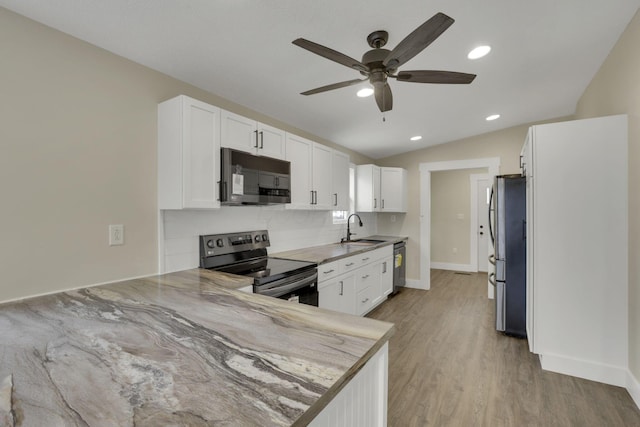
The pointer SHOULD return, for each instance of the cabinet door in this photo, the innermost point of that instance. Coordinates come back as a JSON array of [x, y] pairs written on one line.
[[201, 151], [393, 189], [322, 176], [338, 294], [238, 132], [271, 141], [368, 188], [386, 276], [340, 184], [299, 152]]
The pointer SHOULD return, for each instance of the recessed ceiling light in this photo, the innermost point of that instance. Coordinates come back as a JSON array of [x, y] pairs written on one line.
[[493, 117], [364, 92], [416, 138], [479, 52]]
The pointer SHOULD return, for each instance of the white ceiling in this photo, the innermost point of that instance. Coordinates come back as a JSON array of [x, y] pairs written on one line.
[[544, 54]]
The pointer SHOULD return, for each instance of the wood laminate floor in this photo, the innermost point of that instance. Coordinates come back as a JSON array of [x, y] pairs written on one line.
[[449, 367]]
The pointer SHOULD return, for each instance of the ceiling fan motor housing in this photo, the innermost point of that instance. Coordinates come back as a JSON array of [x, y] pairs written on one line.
[[373, 59]]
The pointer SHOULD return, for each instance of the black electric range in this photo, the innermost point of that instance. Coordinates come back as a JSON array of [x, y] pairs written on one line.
[[245, 254]]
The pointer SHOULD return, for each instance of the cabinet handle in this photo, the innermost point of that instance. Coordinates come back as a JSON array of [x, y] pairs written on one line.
[[365, 259], [341, 287], [382, 203], [256, 132], [261, 139], [375, 203], [315, 197], [365, 276], [336, 199], [384, 267], [349, 264], [365, 300], [311, 196], [521, 161], [329, 271]]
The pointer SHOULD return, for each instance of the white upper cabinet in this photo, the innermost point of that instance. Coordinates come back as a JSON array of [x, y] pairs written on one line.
[[244, 134], [381, 189], [367, 188], [188, 154], [322, 177], [393, 190], [340, 184], [299, 152], [311, 177]]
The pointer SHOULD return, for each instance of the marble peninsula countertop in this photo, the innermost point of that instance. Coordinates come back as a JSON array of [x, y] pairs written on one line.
[[335, 251], [175, 349]]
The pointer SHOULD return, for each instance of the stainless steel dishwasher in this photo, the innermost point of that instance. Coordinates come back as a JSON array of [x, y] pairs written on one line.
[[399, 266]]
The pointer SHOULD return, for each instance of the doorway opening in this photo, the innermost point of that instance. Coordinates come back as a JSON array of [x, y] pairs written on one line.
[[492, 164]]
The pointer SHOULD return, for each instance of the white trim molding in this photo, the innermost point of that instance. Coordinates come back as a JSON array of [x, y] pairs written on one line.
[[414, 284], [493, 166], [633, 387], [607, 374]]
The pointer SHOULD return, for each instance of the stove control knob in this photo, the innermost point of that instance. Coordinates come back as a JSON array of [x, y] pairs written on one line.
[[219, 243], [265, 237], [210, 243], [257, 238]]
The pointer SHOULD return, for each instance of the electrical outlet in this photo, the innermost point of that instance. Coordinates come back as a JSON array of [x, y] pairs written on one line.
[[116, 235]]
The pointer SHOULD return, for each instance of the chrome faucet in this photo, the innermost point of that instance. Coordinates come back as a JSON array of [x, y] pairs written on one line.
[[349, 233]]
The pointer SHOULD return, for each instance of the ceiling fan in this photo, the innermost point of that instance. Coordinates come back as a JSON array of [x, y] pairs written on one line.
[[378, 64]]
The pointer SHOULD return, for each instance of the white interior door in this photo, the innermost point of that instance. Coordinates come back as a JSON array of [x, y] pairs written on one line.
[[484, 187]]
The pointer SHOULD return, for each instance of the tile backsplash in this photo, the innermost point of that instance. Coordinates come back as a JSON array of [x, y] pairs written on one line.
[[288, 229]]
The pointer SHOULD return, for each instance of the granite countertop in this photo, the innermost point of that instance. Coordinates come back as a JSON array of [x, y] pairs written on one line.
[[335, 251], [175, 349]]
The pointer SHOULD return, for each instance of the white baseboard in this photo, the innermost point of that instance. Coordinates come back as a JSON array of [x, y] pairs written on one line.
[[633, 387], [607, 374], [455, 267], [414, 284]]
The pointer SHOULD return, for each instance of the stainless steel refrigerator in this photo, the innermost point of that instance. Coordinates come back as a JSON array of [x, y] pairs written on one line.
[[507, 223]]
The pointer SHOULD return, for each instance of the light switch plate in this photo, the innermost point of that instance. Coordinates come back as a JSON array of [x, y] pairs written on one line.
[[116, 235]]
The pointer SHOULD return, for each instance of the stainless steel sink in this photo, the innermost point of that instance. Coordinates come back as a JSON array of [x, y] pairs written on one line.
[[363, 242]]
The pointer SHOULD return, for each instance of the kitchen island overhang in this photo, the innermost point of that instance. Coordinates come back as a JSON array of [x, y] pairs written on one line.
[[178, 348]]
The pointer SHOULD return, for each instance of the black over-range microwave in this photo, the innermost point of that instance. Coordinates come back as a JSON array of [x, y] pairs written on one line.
[[247, 179]]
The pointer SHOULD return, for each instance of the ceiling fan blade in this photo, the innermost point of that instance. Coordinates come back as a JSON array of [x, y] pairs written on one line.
[[331, 54], [434, 76], [419, 39], [384, 98], [333, 86]]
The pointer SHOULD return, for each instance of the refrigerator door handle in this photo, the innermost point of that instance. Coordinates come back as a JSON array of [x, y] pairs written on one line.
[[493, 240], [492, 259], [492, 279]]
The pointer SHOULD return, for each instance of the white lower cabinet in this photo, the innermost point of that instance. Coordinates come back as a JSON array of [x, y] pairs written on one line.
[[386, 275], [363, 401], [356, 284], [338, 294]]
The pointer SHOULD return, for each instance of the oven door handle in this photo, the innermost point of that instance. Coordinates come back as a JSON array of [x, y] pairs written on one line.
[[288, 284]]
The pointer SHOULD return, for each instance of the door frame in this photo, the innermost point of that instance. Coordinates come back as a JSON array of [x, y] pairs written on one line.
[[473, 228], [493, 166]]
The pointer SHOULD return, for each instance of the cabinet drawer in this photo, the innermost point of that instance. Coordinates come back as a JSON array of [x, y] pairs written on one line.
[[350, 263], [364, 300], [329, 270], [366, 277]]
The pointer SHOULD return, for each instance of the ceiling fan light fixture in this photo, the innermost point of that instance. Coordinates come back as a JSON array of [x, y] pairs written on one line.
[[492, 117], [479, 52], [416, 138], [364, 92]]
